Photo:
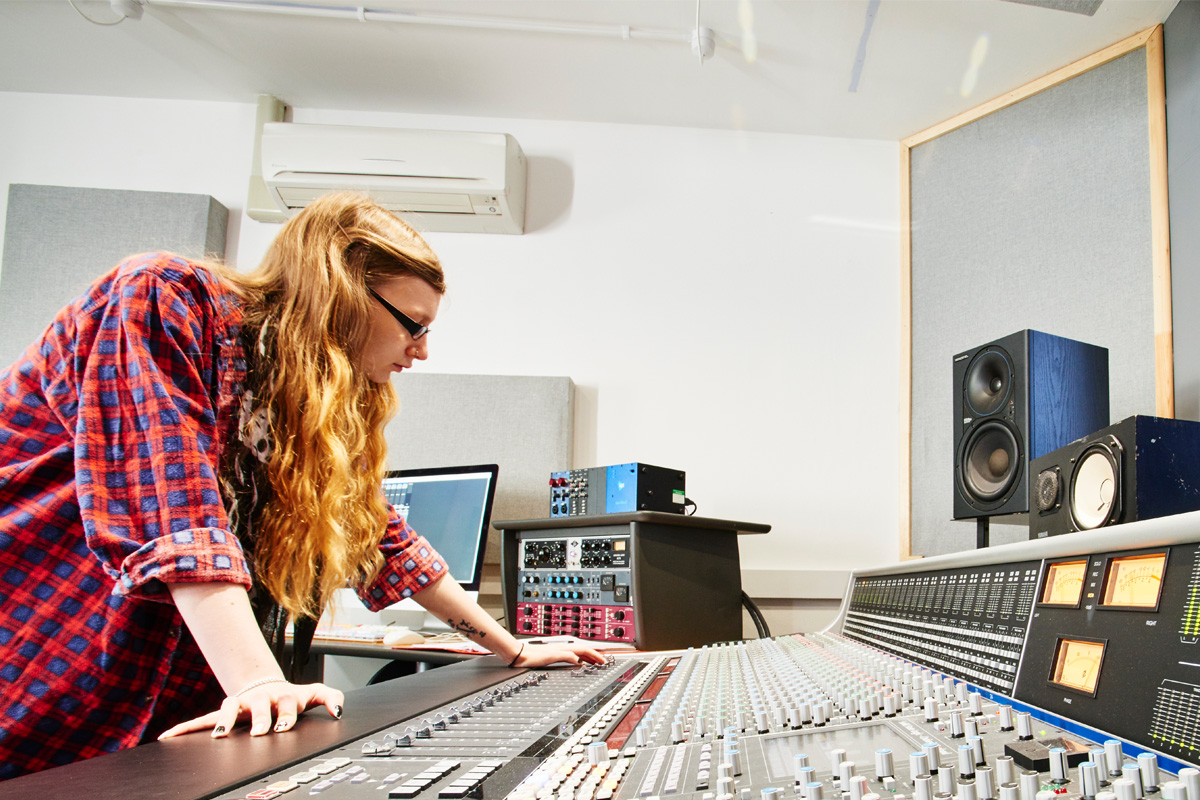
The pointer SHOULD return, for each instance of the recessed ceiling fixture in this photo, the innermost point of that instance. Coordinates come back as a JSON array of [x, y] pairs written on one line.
[[701, 39]]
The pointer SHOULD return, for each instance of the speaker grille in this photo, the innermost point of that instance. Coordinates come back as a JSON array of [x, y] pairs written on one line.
[[1048, 489], [991, 462], [988, 380]]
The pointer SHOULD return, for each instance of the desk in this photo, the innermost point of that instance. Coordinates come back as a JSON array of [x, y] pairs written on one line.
[[421, 659]]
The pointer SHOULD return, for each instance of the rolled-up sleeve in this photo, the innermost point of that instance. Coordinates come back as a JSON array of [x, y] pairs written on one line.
[[410, 564], [146, 455]]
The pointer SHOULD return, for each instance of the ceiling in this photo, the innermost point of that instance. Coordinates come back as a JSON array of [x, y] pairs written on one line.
[[872, 69]]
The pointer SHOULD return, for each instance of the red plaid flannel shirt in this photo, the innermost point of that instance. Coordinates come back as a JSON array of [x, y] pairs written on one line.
[[111, 430]]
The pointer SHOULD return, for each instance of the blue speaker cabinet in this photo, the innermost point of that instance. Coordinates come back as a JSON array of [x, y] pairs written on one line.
[[1016, 399]]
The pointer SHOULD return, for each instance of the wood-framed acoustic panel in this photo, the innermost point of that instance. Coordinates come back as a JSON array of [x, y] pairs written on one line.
[[1044, 208]]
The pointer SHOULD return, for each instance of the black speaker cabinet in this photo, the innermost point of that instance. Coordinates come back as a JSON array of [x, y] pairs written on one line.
[[1016, 399], [1139, 468]]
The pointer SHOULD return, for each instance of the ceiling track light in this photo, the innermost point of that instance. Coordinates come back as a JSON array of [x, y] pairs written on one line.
[[702, 40]]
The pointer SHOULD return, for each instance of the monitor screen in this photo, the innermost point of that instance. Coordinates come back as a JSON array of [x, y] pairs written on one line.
[[452, 508]]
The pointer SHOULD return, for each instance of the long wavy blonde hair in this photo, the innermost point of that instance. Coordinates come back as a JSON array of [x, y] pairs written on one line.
[[308, 305]]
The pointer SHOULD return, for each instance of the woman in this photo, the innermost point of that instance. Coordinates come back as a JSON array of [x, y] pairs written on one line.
[[189, 457]]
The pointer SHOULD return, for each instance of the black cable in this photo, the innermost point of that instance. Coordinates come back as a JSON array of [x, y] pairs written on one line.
[[760, 622], [687, 501]]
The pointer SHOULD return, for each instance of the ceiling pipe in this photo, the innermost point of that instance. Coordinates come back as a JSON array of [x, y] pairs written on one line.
[[363, 14]]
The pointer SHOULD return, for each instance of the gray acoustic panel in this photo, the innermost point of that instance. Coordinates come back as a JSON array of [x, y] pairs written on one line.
[[58, 239], [1180, 35], [1036, 216], [522, 423]]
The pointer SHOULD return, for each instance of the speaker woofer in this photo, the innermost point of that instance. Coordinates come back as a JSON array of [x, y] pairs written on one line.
[[1096, 486], [990, 463], [988, 380]]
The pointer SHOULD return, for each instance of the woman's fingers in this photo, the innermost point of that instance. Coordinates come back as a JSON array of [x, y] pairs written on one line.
[[323, 695], [205, 722], [273, 707], [226, 717], [286, 713]]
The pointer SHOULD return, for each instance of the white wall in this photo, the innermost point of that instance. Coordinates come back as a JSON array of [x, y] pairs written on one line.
[[727, 303]]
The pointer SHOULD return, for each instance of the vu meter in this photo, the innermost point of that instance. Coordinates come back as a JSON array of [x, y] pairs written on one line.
[[1134, 581], [1077, 665], [1064, 583]]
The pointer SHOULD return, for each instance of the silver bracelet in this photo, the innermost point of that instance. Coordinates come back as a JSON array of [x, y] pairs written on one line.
[[256, 684]]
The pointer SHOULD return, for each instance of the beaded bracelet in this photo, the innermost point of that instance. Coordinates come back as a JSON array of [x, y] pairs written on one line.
[[518, 655], [256, 684]]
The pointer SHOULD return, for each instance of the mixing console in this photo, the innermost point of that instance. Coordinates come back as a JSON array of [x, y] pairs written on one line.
[[1061, 669], [814, 717]]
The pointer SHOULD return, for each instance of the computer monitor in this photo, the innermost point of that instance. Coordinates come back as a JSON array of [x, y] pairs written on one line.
[[452, 508]]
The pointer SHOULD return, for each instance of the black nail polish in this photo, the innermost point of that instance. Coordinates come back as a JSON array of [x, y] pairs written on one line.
[[280, 727], [337, 712], [219, 729]]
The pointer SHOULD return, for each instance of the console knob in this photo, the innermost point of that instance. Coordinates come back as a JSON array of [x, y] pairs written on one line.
[[597, 753], [793, 717], [985, 785], [1006, 718], [884, 764], [956, 725], [1114, 758], [932, 753], [945, 779], [846, 775], [966, 762], [976, 702], [1009, 791], [931, 710], [1174, 790], [1133, 774], [814, 791], [1191, 779], [1058, 765], [918, 764], [966, 790], [1089, 780], [1030, 784], [970, 727], [1024, 727], [1148, 764], [1125, 789], [1004, 770], [976, 743]]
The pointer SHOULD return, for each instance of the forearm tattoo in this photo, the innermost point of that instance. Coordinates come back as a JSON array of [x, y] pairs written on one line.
[[465, 627]]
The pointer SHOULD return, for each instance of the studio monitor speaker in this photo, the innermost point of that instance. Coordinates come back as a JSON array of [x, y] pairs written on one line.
[[1139, 468], [1016, 399]]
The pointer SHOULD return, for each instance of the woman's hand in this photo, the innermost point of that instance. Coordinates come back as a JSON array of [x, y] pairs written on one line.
[[278, 700], [543, 655]]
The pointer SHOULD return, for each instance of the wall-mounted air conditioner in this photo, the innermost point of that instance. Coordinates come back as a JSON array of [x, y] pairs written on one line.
[[438, 180]]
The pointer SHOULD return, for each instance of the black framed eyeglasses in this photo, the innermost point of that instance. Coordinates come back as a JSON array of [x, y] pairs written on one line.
[[415, 329]]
